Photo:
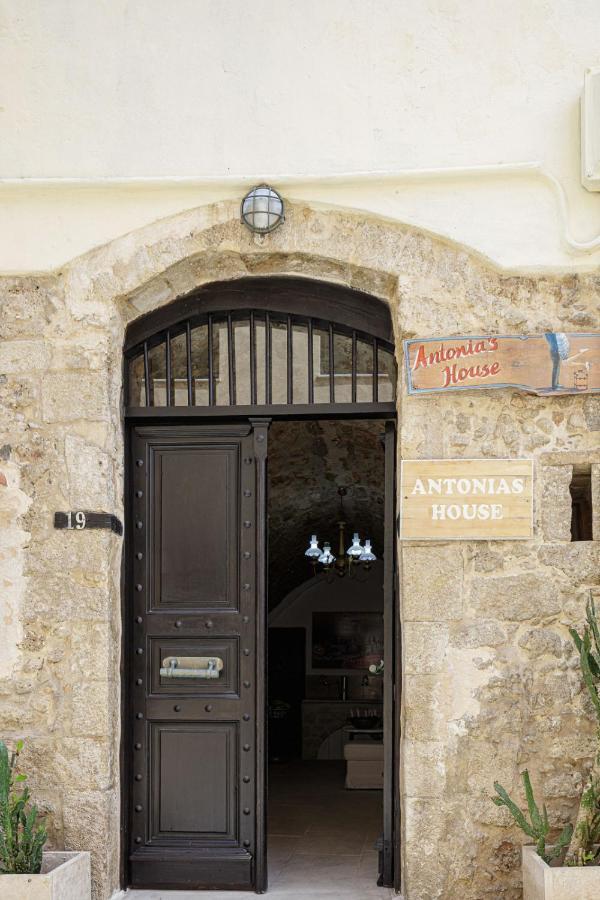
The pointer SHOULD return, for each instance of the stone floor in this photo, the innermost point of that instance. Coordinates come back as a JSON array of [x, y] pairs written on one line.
[[321, 839]]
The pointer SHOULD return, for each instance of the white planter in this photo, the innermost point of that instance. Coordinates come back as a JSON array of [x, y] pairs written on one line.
[[544, 882], [64, 876]]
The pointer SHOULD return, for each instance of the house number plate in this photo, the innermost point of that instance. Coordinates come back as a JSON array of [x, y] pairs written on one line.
[[80, 519]]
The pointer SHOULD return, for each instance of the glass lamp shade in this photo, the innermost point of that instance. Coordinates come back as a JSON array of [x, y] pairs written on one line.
[[314, 551], [327, 558], [262, 209], [355, 550], [367, 555]]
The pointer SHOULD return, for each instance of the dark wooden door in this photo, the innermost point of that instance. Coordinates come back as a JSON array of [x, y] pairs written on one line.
[[196, 676]]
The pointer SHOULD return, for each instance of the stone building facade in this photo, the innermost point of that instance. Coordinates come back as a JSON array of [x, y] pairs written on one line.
[[490, 682]]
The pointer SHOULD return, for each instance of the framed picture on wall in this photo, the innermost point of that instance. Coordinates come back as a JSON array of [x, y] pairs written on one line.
[[346, 640]]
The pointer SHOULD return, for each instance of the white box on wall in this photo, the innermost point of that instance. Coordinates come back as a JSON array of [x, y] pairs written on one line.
[[590, 130]]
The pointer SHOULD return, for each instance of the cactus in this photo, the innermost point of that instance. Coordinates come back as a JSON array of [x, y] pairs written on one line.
[[586, 836], [22, 837], [538, 827]]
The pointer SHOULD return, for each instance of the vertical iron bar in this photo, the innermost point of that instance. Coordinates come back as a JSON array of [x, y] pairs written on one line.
[[231, 355], [331, 366], [354, 367], [168, 367], [149, 388], [311, 386], [188, 352], [211, 374], [375, 372], [252, 360], [268, 391], [290, 363]]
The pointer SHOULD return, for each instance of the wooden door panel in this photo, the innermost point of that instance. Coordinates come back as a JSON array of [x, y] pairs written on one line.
[[193, 779], [196, 766], [195, 534]]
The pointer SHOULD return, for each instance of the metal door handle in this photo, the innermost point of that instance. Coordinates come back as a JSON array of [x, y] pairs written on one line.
[[191, 667]]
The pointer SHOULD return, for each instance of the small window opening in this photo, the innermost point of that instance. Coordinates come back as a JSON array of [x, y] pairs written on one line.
[[581, 506]]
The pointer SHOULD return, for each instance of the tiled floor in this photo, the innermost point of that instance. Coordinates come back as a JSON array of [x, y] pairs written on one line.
[[320, 843]]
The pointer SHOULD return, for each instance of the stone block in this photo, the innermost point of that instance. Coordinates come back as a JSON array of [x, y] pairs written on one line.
[[579, 561], [90, 818], [426, 707], [59, 551], [95, 707], [591, 412], [479, 762], [432, 584], [596, 501], [28, 305], [90, 483], [423, 768], [485, 559], [23, 356], [94, 651], [425, 872], [424, 646], [556, 502], [542, 641], [514, 598], [68, 396], [471, 635], [86, 761], [66, 598]]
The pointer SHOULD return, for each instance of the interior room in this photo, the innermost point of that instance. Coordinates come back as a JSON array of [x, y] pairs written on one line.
[[325, 647]]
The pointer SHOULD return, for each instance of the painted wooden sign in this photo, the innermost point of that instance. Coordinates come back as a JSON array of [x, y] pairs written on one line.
[[466, 499], [551, 363]]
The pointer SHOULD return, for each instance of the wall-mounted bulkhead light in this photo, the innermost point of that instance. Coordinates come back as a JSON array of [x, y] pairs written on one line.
[[262, 209]]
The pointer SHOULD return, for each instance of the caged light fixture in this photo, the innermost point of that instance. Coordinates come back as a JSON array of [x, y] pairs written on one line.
[[262, 209], [347, 559]]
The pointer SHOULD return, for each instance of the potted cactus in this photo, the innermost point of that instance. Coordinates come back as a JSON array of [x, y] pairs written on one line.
[[569, 868], [26, 870]]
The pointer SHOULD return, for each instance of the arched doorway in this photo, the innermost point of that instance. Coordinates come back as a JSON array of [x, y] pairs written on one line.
[[205, 377]]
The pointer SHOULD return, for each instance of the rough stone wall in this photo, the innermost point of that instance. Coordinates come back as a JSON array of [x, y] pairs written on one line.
[[61, 449], [490, 682]]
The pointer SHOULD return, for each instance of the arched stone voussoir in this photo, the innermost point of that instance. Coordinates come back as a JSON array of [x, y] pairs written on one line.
[[167, 259], [432, 285]]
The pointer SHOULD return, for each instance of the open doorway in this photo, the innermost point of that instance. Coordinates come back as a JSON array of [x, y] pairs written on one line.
[[220, 385], [326, 723]]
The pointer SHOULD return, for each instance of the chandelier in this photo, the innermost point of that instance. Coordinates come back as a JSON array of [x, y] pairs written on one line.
[[347, 561]]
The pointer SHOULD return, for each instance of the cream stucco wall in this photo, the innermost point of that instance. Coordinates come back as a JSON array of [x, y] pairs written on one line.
[[460, 117]]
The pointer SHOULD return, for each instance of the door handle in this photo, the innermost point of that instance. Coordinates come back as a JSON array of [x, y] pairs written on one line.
[[191, 667]]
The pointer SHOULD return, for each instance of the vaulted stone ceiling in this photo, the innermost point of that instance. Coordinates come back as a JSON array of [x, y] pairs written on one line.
[[308, 461]]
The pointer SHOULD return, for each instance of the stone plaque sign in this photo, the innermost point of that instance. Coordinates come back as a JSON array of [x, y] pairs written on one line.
[[466, 499], [551, 363]]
